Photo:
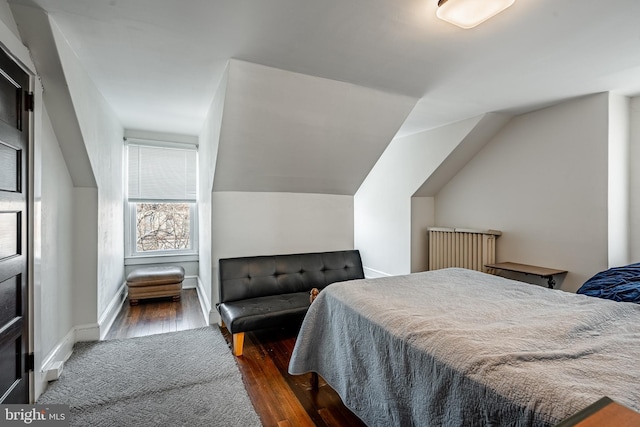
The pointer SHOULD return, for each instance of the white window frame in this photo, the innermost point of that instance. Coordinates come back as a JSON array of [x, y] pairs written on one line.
[[130, 228]]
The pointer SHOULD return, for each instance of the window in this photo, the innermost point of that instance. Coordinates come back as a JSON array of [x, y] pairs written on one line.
[[161, 199], [163, 226]]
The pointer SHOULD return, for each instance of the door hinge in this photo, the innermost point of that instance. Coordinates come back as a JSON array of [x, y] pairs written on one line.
[[30, 362], [29, 101]]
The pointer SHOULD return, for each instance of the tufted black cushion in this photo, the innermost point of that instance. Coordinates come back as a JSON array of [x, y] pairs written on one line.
[[252, 277], [264, 312], [268, 291]]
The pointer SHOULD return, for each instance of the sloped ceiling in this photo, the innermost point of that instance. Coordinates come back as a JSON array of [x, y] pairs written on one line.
[[471, 144], [158, 63], [44, 52], [290, 132]]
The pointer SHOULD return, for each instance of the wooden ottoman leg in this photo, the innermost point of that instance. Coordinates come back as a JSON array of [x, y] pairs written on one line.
[[133, 302], [176, 298], [238, 343]]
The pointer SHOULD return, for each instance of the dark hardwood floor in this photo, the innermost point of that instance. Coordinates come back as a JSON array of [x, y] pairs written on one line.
[[155, 316], [280, 399]]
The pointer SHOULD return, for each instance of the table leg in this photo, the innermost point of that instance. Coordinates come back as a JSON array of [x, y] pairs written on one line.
[[551, 282]]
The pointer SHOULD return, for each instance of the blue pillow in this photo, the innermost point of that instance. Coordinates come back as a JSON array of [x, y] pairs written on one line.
[[618, 284]]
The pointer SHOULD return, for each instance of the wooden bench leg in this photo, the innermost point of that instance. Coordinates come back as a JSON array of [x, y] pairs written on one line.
[[314, 381], [238, 343]]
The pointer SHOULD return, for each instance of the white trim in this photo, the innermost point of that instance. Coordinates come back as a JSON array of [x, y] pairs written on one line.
[[193, 146], [161, 259], [370, 273], [60, 353], [190, 282], [87, 332], [112, 310], [205, 304], [214, 317], [144, 135]]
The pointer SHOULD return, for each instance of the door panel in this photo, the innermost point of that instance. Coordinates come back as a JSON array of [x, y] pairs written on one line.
[[14, 142], [9, 102], [10, 296], [9, 230], [9, 174]]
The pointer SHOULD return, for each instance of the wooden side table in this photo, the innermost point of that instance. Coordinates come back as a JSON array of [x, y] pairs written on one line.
[[605, 412], [545, 273]]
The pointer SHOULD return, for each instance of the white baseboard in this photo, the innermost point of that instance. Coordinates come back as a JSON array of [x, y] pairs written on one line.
[[205, 304], [87, 332], [61, 352], [370, 273], [114, 307], [214, 318], [190, 282], [211, 315]]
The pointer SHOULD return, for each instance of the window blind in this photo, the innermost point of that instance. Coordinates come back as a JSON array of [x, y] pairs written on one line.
[[161, 173]]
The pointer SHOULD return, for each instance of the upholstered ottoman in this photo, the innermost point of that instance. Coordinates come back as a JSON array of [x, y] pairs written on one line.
[[155, 282]]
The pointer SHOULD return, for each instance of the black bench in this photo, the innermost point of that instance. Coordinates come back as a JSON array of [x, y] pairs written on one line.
[[272, 291]]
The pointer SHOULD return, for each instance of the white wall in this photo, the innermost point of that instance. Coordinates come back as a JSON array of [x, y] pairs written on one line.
[[382, 204], [57, 207], [209, 140], [7, 19], [248, 224], [52, 226], [634, 181], [422, 217], [542, 181], [85, 260], [619, 180], [103, 138]]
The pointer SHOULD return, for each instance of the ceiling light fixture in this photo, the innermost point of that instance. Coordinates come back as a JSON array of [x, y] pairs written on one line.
[[469, 13]]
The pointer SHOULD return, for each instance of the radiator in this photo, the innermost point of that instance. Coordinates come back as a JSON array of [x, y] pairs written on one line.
[[457, 247]]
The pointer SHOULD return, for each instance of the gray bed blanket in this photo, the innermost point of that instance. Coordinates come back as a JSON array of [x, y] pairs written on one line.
[[457, 347]]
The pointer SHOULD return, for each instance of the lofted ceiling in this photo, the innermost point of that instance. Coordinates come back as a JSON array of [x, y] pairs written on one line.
[[158, 62]]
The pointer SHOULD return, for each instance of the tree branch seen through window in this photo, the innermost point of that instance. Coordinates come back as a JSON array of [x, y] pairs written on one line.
[[162, 226]]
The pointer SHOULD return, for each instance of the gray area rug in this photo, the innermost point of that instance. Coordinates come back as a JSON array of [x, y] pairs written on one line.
[[187, 378]]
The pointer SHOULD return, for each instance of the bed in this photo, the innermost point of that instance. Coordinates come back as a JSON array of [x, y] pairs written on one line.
[[458, 347]]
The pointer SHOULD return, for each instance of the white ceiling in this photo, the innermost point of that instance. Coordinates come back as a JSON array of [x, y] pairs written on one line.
[[158, 62]]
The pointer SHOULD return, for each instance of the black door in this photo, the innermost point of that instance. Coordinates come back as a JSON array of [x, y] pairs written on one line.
[[14, 142]]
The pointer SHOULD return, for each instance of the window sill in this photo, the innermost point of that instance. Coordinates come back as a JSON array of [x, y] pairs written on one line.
[[160, 259]]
